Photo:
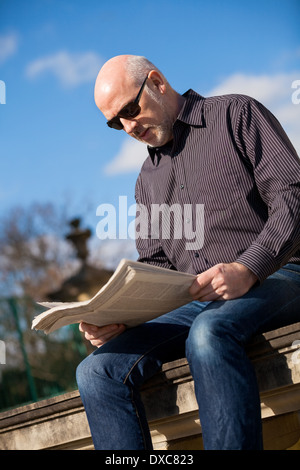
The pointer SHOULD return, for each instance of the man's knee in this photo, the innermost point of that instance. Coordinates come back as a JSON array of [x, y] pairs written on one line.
[[83, 373], [209, 334], [96, 366], [201, 334], [105, 364]]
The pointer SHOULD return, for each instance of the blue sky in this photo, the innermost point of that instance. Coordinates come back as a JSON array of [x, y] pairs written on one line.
[[54, 143]]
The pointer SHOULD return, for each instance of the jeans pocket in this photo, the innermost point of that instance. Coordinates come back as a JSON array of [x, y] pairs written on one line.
[[292, 271]]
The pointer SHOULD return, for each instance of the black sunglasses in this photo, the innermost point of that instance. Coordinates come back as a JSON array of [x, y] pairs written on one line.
[[130, 111]]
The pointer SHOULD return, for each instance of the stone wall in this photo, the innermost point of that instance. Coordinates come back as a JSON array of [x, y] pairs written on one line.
[[60, 422]]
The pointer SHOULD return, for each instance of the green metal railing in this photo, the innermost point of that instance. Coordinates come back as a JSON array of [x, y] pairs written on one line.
[[14, 309], [36, 366]]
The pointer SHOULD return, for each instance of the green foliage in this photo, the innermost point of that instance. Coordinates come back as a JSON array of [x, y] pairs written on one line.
[[37, 366]]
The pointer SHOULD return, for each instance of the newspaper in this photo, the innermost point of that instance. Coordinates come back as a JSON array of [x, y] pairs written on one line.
[[136, 292]]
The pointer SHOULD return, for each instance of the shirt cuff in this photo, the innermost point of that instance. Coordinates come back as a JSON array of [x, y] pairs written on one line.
[[259, 261]]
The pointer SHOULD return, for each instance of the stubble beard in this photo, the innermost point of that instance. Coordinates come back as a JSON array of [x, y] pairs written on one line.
[[163, 132]]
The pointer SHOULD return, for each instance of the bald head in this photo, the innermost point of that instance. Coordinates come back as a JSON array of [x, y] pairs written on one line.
[[108, 77], [119, 73], [118, 83]]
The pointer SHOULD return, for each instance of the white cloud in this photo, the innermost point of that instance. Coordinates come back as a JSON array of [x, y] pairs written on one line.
[[8, 46], [262, 87], [274, 91], [130, 158], [69, 69]]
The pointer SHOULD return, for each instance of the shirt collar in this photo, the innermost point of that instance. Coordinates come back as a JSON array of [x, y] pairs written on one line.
[[191, 114]]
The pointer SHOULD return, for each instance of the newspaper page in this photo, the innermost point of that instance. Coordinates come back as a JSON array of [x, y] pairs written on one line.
[[135, 293]]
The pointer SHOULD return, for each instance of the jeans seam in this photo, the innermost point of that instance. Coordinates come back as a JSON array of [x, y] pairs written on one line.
[[291, 271], [147, 352], [138, 417]]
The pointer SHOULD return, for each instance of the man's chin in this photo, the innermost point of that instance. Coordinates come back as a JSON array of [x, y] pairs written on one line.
[[152, 138], [145, 137]]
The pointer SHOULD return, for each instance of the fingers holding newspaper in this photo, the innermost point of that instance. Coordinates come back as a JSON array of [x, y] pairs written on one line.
[[223, 282], [99, 335]]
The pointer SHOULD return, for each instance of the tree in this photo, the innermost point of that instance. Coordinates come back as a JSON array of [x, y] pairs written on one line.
[[35, 258]]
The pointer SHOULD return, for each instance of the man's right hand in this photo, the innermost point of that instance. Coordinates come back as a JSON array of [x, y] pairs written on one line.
[[99, 335]]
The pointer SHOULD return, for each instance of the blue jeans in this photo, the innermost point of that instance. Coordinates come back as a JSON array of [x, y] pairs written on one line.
[[213, 336]]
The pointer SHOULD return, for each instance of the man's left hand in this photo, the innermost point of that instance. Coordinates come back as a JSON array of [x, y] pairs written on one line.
[[223, 282]]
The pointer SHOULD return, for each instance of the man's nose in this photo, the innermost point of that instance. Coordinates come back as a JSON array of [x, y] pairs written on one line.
[[128, 125]]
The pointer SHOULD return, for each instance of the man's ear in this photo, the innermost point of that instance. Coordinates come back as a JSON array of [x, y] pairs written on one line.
[[158, 81]]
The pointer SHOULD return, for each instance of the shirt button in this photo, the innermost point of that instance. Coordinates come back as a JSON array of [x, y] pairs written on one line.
[[196, 255], [182, 186]]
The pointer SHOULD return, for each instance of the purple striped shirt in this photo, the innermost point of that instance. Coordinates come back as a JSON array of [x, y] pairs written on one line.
[[229, 154]]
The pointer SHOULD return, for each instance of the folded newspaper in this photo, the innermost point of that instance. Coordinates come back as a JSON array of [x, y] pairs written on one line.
[[136, 292]]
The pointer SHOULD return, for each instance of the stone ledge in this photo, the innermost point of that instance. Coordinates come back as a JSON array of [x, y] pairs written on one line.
[[60, 422], [171, 391]]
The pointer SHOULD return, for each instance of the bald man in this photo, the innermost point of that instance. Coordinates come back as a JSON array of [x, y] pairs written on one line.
[[153, 125], [230, 154]]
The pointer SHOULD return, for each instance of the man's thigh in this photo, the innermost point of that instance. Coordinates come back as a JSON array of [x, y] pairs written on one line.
[[273, 304], [139, 352]]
